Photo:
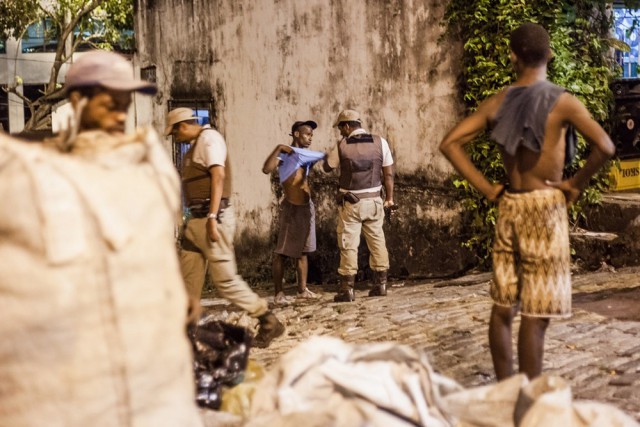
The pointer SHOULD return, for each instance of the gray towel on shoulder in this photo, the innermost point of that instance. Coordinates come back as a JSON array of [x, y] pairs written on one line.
[[521, 119]]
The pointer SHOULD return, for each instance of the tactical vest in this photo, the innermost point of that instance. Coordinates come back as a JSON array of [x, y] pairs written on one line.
[[360, 162], [196, 179]]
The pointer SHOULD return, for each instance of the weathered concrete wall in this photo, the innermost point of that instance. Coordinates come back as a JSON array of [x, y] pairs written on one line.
[[268, 63]]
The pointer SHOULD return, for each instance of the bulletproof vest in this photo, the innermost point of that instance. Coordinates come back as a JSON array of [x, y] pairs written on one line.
[[360, 162], [196, 179]]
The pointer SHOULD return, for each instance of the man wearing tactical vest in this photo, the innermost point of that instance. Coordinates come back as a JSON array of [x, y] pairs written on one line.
[[366, 165], [208, 235]]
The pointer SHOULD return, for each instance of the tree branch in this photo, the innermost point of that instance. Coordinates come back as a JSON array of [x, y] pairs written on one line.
[[30, 103], [61, 56], [67, 16]]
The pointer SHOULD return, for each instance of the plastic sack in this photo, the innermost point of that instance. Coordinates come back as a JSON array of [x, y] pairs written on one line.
[[221, 353]]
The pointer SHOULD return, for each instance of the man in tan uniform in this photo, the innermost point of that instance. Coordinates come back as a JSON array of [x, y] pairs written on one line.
[[366, 165], [532, 122], [208, 235]]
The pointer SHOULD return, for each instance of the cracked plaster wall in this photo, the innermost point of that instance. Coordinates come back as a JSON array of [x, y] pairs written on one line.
[[268, 63]]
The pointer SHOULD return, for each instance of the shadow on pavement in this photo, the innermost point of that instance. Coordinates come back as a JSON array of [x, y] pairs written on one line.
[[622, 304]]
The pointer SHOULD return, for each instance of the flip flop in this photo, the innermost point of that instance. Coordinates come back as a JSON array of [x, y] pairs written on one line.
[[281, 299], [307, 294]]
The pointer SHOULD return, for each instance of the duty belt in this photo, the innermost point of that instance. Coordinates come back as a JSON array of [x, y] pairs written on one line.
[[200, 208], [354, 198]]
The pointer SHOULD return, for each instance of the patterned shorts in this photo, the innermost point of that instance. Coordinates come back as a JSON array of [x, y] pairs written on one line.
[[531, 254]]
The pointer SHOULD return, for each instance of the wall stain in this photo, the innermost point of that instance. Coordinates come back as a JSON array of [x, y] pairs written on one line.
[[267, 62]]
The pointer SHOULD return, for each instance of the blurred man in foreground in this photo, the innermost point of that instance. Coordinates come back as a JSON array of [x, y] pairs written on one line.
[[94, 307]]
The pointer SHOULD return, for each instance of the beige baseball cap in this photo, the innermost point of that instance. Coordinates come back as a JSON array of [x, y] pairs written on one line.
[[106, 69], [348, 116], [178, 115]]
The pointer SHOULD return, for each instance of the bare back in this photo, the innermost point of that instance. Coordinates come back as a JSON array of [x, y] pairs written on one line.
[[528, 170]]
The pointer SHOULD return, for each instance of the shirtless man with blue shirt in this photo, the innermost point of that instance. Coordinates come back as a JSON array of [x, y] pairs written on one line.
[[296, 232], [532, 122]]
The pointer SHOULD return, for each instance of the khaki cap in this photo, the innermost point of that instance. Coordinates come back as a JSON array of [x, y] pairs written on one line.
[[177, 115], [348, 116]]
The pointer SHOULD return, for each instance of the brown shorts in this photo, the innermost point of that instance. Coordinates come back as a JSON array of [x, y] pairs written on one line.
[[297, 230], [531, 254]]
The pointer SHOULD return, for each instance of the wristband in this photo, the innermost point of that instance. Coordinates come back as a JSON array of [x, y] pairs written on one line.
[[212, 216]]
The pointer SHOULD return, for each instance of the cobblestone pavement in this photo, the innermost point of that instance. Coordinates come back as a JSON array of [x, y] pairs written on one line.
[[598, 355]]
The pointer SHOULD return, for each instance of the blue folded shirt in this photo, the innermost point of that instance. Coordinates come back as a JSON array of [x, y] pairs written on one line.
[[299, 158]]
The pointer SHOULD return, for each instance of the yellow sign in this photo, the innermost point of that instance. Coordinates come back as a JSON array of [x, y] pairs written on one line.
[[627, 175]]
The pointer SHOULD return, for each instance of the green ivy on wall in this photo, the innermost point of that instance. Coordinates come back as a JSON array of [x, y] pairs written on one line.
[[582, 63]]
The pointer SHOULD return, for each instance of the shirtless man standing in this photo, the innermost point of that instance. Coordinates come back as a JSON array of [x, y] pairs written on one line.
[[296, 233], [532, 122]]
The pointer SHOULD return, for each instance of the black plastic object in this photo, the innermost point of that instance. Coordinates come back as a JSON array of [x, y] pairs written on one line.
[[221, 353], [388, 210]]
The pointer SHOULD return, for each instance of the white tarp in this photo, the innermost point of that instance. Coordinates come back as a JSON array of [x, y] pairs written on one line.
[[327, 382]]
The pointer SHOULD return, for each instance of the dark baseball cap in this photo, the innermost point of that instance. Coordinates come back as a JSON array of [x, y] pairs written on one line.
[[309, 123]]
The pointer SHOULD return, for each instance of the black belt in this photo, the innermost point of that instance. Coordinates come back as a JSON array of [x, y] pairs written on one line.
[[354, 198], [200, 208]]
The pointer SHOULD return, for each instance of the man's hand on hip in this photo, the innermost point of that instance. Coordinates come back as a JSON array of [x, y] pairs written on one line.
[[568, 187]]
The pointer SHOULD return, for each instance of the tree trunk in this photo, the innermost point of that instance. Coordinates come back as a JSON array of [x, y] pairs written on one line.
[[41, 120]]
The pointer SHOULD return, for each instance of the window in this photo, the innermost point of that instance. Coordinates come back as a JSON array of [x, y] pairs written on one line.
[[3, 46], [203, 109], [627, 29], [4, 110], [149, 74], [40, 37]]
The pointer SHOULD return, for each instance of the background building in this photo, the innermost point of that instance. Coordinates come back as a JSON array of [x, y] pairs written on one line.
[[29, 60], [48, 36]]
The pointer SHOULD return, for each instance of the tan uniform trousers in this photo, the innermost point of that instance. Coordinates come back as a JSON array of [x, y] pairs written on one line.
[[367, 216], [221, 260]]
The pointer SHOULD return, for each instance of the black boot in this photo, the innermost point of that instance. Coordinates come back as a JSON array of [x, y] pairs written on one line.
[[346, 293], [270, 328], [379, 284]]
